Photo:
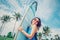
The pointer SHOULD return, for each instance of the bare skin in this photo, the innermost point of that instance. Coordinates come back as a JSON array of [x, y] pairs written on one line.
[[34, 29]]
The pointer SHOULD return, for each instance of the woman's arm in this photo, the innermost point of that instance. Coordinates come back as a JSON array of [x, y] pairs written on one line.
[[34, 30]]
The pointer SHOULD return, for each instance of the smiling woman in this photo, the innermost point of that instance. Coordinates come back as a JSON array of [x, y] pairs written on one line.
[[31, 33], [30, 15]]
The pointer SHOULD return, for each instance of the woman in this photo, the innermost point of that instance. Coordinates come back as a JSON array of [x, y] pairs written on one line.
[[32, 31]]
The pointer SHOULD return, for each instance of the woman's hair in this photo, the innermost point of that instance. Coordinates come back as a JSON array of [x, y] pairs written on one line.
[[39, 22]]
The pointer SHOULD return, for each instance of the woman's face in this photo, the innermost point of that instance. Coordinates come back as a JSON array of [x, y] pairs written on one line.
[[35, 21]]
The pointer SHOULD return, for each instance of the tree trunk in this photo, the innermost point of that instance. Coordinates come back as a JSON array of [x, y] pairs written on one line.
[[14, 28], [39, 38], [1, 28]]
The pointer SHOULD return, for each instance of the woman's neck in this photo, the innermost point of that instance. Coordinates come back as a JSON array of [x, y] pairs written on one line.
[[33, 25]]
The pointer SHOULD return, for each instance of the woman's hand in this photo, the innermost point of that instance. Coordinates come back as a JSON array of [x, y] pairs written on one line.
[[20, 29]]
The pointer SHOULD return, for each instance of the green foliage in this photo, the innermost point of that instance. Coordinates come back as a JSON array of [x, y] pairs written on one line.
[[39, 34], [5, 18], [46, 29], [9, 35], [4, 38], [17, 16], [0, 35], [47, 39], [57, 37]]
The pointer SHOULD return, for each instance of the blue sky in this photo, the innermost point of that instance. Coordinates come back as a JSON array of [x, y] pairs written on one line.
[[50, 13], [48, 10]]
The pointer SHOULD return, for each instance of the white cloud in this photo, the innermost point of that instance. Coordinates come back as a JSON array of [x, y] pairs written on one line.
[[44, 11], [3, 6], [55, 31], [15, 4], [2, 12]]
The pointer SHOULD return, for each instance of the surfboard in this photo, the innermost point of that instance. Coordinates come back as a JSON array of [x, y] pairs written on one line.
[[26, 22]]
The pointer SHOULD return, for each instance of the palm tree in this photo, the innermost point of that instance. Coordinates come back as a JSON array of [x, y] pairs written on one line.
[[17, 17], [4, 19], [46, 30], [57, 37], [51, 38], [39, 36]]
